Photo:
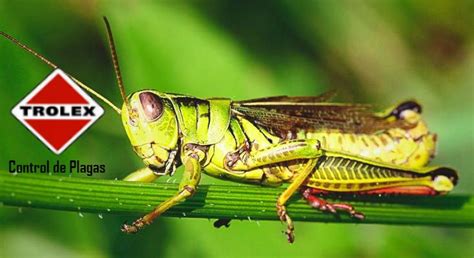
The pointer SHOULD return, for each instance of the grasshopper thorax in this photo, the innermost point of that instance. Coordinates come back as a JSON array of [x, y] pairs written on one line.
[[151, 125]]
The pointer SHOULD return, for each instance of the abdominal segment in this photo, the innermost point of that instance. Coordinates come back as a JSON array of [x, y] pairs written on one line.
[[342, 174], [412, 147]]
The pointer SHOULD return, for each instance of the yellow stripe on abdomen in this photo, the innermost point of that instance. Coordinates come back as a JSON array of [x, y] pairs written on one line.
[[347, 175]]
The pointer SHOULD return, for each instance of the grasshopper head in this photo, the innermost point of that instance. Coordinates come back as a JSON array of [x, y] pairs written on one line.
[[151, 126]]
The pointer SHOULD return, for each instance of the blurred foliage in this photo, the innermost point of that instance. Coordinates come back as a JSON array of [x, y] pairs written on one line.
[[377, 52]]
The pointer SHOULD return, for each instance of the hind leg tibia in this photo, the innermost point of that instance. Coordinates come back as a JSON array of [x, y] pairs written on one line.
[[322, 205]]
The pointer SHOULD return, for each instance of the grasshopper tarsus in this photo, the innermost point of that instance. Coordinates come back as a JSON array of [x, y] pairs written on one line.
[[134, 227], [290, 236], [285, 218], [129, 229], [240, 154], [222, 223], [358, 215], [334, 208]]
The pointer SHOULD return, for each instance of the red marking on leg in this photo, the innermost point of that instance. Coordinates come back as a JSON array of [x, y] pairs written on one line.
[[322, 205], [406, 190], [342, 206], [393, 190]]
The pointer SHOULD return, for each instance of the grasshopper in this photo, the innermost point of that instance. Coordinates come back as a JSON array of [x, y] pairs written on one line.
[[313, 146]]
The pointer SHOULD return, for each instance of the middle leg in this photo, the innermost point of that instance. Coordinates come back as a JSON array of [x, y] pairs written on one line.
[[292, 188]]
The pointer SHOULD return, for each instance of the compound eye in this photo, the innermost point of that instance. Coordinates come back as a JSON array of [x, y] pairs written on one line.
[[152, 105]]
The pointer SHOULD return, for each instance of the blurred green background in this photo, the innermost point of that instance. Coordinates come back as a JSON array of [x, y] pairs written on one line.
[[377, 52]]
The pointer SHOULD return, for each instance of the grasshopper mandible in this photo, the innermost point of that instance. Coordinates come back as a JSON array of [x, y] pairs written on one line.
[[309, 143]]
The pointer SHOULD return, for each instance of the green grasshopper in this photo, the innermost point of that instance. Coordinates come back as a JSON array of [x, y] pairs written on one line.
[[312, 145]]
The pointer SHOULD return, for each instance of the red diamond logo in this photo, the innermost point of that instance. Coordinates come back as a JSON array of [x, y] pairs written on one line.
[[57, 111]]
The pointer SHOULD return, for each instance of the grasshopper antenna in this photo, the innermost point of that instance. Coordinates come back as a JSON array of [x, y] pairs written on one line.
[[54, 66], [113, 53]]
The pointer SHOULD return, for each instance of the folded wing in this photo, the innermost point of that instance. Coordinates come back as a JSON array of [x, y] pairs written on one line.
[[285, 114]]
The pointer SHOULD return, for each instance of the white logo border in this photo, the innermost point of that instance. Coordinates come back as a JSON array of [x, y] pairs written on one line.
[[16, 112]]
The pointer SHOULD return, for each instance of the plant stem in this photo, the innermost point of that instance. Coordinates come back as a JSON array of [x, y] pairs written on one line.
[[222, 201]]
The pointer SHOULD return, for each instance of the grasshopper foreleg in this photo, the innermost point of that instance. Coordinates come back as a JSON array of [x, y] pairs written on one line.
[[187, 187], [145, 175]]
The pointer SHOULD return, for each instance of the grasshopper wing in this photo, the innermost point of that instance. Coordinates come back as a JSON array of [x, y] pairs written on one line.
[[285, 114], [325, 97]]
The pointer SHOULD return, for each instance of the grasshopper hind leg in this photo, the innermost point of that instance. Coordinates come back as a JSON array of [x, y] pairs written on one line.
[[309, 194]]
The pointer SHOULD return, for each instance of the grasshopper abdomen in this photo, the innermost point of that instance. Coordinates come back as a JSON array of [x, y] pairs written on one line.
[[344, 174]]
